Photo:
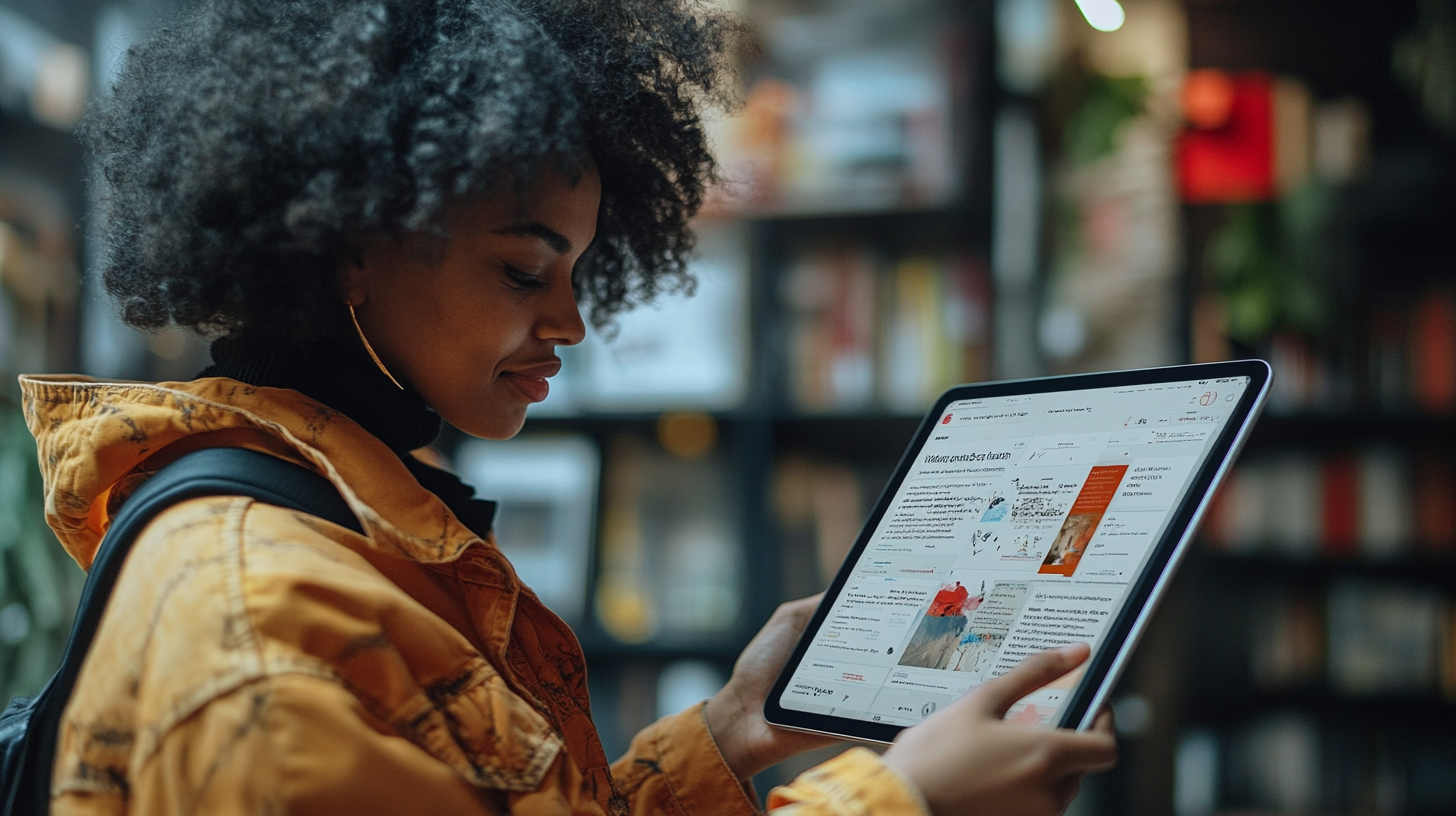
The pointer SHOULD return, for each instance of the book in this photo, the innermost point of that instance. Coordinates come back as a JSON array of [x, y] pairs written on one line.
[[936, 326], [832, 298], [1383, 638], [1293, 137], [1435, 503], [914, 351], [1385, 503], [1387, 364], [1298, 374], [818, 508], [1341, 505], [968, 308], [1292, 510], [1433, 356], [1287, 640], [1240, 521], [1341, 140], [1448, 652]]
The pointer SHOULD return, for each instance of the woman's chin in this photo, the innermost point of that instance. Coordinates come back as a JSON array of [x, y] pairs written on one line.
[[499, 425]]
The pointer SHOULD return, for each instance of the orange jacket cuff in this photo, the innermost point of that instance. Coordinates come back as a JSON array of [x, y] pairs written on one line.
[[855, 783], [675, 763]]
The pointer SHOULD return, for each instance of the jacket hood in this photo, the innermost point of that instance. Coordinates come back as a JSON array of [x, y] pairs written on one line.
[[98, 440]]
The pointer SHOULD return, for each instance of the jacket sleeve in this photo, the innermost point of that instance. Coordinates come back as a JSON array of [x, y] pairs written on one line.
[[855, 783], [673, 768]]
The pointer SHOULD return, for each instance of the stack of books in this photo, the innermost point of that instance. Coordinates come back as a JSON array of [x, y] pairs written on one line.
[[868, 333]]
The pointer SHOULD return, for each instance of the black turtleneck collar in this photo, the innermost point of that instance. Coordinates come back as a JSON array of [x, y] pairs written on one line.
[[343, 377], [337, 375]]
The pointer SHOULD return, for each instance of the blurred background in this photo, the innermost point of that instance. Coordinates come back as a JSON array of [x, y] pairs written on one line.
[[928, 192]]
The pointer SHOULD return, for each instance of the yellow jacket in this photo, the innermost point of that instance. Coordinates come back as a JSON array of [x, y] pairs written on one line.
[[257, 660]]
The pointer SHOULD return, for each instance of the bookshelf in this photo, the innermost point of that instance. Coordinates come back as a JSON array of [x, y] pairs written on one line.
[[1309, 663]]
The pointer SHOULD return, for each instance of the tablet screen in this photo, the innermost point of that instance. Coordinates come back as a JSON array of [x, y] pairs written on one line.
[[1020, 526]]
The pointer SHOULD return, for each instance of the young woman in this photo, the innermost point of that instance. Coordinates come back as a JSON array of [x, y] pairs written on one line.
[[388, 211]]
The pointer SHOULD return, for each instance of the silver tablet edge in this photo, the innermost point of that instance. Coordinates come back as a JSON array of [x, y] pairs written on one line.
[[837, 735], [1155, 598]]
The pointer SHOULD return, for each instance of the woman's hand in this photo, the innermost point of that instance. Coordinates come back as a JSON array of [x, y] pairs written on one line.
[[966, 758], [735, 714]]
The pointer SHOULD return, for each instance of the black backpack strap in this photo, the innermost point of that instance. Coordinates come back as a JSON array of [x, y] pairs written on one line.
[[210, 472]]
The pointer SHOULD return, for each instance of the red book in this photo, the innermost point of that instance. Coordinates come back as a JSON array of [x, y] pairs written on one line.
[[1433, 327], [1235, 160], [1341, 505]]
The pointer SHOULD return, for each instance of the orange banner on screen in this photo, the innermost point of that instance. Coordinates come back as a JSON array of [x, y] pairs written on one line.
[[1082, 520]]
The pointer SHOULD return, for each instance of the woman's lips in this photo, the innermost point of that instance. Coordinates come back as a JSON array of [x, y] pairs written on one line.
[[531, 380]]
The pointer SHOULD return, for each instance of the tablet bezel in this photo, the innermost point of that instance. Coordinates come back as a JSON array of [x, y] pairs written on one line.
[[1147, 589]]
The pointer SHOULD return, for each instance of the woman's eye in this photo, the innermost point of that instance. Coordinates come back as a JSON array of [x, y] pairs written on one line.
[[522, 280]]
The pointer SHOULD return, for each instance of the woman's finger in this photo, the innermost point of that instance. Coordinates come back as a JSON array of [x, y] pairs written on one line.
[[1084, 751], [997, 696]]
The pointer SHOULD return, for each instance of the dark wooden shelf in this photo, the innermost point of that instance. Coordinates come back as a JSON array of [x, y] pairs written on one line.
[[1421, 567], [1231, 705], [1345, 429]]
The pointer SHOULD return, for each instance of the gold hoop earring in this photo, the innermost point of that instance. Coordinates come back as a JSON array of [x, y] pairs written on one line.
[[369, 348]]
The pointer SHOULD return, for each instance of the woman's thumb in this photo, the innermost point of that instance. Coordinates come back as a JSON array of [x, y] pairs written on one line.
[[997, 696]]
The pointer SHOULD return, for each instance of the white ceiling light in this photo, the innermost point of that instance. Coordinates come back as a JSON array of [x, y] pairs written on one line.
[[1103, 15]]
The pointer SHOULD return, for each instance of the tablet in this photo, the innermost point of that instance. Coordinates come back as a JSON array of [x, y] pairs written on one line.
[[1024, 515]]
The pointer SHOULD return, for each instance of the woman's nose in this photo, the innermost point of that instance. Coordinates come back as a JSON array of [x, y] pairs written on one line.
[[561, 322]]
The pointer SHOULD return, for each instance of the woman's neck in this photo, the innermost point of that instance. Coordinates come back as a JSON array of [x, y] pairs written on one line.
[[339, 376]]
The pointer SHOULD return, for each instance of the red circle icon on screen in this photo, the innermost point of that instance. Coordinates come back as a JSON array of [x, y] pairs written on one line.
[[946, 421], [1208, 398]]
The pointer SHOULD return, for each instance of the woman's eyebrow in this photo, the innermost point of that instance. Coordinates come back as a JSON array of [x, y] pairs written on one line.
[[558, 242]]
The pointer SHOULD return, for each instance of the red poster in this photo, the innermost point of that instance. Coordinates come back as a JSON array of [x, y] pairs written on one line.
[[1082, 520], [1234, 161]]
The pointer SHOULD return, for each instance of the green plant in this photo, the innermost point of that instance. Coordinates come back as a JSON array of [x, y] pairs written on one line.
[[1267, 260], [1107, 103]]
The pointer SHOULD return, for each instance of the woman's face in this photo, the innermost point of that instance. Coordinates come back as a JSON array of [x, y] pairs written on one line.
[[475, 328]]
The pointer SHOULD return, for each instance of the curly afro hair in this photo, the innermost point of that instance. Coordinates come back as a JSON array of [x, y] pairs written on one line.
[[246, 149]]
